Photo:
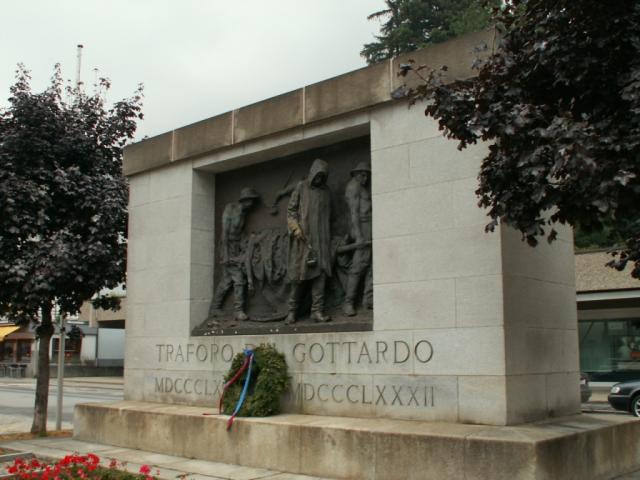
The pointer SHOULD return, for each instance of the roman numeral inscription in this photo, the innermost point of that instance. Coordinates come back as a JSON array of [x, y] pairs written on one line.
[[188, 386], [379, 395]]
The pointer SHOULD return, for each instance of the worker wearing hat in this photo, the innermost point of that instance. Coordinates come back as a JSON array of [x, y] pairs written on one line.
[[232, 255]]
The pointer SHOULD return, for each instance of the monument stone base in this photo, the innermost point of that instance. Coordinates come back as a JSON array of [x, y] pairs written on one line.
[[575, 447]]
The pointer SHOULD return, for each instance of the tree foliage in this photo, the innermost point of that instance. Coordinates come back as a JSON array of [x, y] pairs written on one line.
[[62, 197], [413, 24], [63, 201], [559, 100]]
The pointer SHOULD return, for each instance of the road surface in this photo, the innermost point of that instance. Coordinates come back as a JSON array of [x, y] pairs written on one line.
[[17, 400]]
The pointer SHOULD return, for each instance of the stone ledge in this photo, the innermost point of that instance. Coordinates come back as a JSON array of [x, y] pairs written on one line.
[[268, 116], [201, 137], [347, 93], [580, 446], [148, 154], [458, 54], [354, 91]]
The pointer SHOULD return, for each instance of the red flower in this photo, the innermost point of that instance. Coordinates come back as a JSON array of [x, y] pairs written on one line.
[[145, 469], [74, 466], [47, 473]]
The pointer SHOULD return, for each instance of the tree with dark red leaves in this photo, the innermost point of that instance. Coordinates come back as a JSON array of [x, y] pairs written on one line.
[[63, 206], [559, 102]]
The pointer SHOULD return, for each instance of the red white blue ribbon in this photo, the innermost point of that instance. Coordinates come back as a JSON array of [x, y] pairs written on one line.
[[247, 365]]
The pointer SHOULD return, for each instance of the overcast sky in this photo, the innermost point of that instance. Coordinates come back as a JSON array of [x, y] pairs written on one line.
[[196, 58]]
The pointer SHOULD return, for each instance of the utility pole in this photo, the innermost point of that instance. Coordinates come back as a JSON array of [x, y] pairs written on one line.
[[61, 348], [78, 65], [63, 318], [95, 80]]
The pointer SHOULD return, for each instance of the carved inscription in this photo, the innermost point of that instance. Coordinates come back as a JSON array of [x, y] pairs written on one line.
[[379, 352], [206, 385], [304, 392], [190, 352], [394, 395], [347, 352], [188, 386]]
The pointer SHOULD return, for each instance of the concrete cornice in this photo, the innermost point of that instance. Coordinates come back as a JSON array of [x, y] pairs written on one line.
[[357, 90]]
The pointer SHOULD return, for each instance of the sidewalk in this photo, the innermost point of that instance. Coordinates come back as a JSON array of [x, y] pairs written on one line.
[[98, 380], [169, 466], [599, 396], [20, 424], [105, 383], [117, 381]]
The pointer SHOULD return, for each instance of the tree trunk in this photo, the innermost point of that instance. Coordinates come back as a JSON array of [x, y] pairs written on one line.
[[45, 332]]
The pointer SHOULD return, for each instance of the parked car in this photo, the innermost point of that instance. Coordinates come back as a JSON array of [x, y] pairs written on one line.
[[585, 390], [626, 396]]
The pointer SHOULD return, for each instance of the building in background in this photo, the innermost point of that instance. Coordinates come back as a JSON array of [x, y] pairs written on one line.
[[106, 328], [608, 319], [94, 344], [16, 348], [95, 341]]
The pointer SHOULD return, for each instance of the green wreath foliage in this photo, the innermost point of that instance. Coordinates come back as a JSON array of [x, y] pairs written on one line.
[[269, 380]]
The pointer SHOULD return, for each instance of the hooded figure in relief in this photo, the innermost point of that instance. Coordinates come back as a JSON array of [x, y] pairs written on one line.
[[308, 221]]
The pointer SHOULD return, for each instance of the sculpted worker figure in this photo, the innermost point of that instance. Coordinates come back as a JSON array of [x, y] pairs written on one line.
[[233, 255], [308, 220], [358, 199]]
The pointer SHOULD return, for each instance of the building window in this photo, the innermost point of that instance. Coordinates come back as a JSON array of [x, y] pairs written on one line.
[[24, 351], [610, 349], [6, 351], [71, 349]]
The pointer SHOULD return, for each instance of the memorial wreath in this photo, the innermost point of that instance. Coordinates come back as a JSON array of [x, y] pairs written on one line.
[[268, 380]]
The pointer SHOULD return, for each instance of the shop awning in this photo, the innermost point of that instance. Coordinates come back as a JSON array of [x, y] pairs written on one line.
[[6, 330]]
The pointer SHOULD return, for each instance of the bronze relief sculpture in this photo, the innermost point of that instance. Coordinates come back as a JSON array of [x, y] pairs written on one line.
[[303, 268]]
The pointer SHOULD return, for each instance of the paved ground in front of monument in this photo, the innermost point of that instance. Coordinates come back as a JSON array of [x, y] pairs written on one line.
[[170, 466]]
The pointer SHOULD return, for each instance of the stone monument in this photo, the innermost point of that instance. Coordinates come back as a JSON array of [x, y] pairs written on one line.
[[340, 226]]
